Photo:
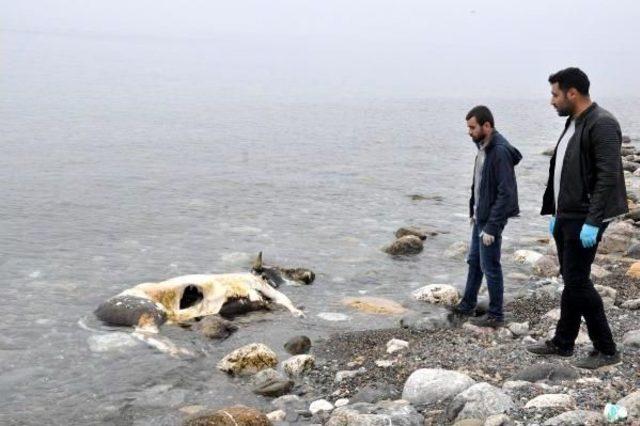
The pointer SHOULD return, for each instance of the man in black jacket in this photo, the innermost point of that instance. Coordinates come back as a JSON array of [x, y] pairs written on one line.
[[584, 192], [494, 199]]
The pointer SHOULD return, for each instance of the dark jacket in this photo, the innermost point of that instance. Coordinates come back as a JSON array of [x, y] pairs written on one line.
[[498, 187], [592, 186]]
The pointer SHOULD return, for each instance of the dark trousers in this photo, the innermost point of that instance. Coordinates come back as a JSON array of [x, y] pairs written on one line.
[[579, 297], [484, 261]]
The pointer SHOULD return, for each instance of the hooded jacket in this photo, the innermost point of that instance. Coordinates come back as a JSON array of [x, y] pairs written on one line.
[[498, 188]]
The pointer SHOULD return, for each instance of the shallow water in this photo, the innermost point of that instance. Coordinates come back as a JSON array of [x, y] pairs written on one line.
[[109, 182]]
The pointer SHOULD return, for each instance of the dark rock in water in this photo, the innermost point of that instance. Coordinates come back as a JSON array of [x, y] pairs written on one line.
[[298, 345], [544, 371], [375, 392], [301, 275], [626, 139], [215, 327], [418, 197], [549, 151], [241, 306], [406, 245], [411, 231], [128, 310], [238, 415], [627, 150], [415, 321], [274, 387], [634, 251], [630, 166]]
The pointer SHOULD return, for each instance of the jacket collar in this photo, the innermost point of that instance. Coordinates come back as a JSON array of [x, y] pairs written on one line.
[[579, 119]]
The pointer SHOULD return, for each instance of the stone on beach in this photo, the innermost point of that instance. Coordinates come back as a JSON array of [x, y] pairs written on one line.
[[576, 418], [546, 371], [457, 250], [238, 415], [552, 400], [479, 402], [429, 386], [438, 294], [383, 413], [402, 232], [546, 267], [298, 345], [528, 257], [375, 305], [248, 360], [395, 345], [298, 365]]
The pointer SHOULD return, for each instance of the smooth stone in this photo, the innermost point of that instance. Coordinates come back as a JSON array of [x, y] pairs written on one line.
[[238, 415], [576, 418], [479, 402], [395, 345], [298, 365], [298, 345], [403, 246], [546, 371], [552, 400], [320, 405], [437, 294], [428, 386]]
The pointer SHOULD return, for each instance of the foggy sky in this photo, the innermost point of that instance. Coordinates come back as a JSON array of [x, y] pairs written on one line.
[[368, 48]]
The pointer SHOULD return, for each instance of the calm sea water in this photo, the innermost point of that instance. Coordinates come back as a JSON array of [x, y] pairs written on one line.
[[122, 163]]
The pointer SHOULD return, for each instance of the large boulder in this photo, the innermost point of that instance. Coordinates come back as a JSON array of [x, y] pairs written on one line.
[[383, 413], [546, 267], [428, 386], [528, 257], [576, 418], [271, 383], [420, 233], [238, 415], [248, 360], [298, 365], [438, 294], [375, 305], [407, 245], [479, 402], [552, 400]]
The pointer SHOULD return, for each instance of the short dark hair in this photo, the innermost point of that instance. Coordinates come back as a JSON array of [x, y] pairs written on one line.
[[571, 78], [482, 115]]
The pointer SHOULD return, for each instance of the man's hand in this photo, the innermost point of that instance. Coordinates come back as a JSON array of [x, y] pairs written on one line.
[[589, 235], [487, 239]]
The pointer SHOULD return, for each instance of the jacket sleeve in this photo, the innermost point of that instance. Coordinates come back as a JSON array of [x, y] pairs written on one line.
[[506, 191], [605, 141]]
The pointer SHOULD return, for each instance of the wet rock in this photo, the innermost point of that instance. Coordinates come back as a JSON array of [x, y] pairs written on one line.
[[270, 382], [407, 245], [298, 345], [215, 327], [320, 405], [397, 413], [632, 339], [395, 345], [375, 305], [546, 371], [546, 266], [528, 257], [298, 365], [248, 360], [552, 400], [238, 415], [632, 403], [576, 418], [631, 304], [430, 386], [479, 402], [457, 250], [438, 294], [402, 232]]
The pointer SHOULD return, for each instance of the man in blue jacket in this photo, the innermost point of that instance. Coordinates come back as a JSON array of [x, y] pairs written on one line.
[[584, 192], [494, 199]]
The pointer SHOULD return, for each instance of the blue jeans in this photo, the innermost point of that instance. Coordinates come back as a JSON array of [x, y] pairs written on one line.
[[484, 261]]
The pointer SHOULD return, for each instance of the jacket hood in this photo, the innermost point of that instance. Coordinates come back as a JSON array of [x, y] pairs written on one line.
[[498, 140]]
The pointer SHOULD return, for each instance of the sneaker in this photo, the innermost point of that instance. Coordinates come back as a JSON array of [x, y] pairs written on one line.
[[487, 321], [547, 347], [597, 359]]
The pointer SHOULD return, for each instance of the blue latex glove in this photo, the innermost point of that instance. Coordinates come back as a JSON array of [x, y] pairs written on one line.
[[588, 235], [552, 225]]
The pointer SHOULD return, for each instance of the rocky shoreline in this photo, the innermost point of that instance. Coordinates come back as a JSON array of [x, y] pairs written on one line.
[[431, 370]]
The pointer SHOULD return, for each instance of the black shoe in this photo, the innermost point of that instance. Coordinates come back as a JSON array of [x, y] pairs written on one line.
[[463, 313], [487, 321], [597, 359], [458, 316], [547, 347]]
